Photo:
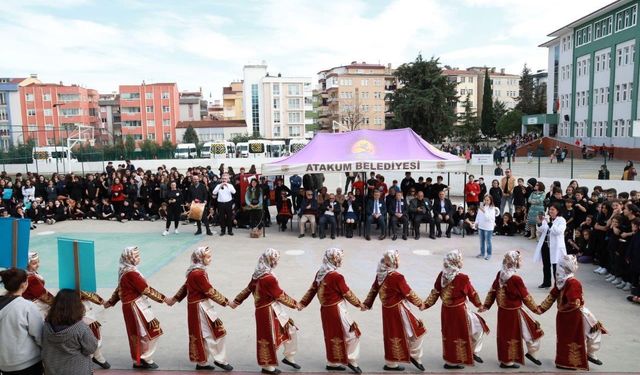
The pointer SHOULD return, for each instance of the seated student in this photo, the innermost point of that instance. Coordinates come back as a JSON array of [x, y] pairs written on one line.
[[76, 211], [588, 223], [60, 211], [458, 219], [351, 213], [581, 246], [470, 220], [125, 213], [49, 213], [506, 227], [106, 211], [90, 209], [162, 211], [137, 212], [520, 219]]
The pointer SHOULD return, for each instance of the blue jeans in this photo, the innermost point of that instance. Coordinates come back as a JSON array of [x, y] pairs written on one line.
[[485, 241]]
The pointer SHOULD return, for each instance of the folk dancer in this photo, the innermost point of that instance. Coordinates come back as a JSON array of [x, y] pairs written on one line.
[[341, 334], [36, 291], [206, 331], [578, 332], [274, 328], [89, 299], [143, 329], [402, 331], [514, 323], [462, 330]]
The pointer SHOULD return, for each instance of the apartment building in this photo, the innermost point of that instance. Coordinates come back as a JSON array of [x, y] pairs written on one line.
[[275, 106], [150, 111], [11, 110], [232, 101], [110, 119], [467, 84], [592, 89], [212, 130], [192, 106], [354, 96], [52, 112]]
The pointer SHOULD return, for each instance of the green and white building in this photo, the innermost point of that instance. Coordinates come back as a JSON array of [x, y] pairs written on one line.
[[592, 87]]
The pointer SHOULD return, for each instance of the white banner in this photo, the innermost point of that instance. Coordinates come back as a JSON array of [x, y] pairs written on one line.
[[482, 159]]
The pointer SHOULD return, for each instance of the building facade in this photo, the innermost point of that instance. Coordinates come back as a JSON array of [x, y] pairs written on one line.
[[110, 119], [354, 96], [192, 106], [213, 130], [150, 111], [232, 101], [467, 85], [51, 113], [11, 110], [593, 78]]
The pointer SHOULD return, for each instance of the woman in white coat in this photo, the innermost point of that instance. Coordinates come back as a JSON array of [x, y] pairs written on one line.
[[551, 247]]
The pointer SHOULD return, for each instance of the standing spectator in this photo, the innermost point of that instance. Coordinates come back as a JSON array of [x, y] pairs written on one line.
[[498, 170], [407, 183], [20, 327], [551, 245], [472, 192], [629, 173], [603, 173], [350, 179], [224, 192], [117, 195], [174, 208], [67, 342], [536, 208], [495, 192], [519, 195], [486, 222], [507, 185], [253, 200], [199, 194], [266, 200], [307, 213], [483, 189]]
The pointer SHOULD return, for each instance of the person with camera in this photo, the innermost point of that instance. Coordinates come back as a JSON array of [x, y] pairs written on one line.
[[174, 200], [199, 194], [225, 191], [551, 246]]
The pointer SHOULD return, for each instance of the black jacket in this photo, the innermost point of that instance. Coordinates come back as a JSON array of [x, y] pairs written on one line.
[[391, 207], [199, 192], [447, 206]]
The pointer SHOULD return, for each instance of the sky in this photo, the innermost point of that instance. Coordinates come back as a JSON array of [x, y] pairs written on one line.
[[205, 43]]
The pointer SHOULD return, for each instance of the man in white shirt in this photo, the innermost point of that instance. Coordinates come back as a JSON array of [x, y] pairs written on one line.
[[224, 192]]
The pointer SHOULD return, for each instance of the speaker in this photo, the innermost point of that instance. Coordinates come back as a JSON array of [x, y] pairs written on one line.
[[566, 117]]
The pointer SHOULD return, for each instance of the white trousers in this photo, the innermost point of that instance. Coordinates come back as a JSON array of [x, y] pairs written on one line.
[[414, 342], [352, 342], [593, 338], [532, 345], [290, 347], [215, 348], [147, 346], [477, 332]]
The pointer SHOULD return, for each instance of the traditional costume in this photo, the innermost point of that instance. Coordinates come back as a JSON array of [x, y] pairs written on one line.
[[578, 332], [36, 291], [273, 326], [143, 329], [514, 323], [89, 299], [402, 331], [462, 330], [341, 334], [206, 331]]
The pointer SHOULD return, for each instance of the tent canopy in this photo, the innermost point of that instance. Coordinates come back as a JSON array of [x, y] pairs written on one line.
[[367, 150]]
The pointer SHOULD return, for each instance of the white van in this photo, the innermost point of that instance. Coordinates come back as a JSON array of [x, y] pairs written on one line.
[[258, 148], [49, 153], [186, 151], [242, 149], [296, 145], [218, 149], [277, 149]]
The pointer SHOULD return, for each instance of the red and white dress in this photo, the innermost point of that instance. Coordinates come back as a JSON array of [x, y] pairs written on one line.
[[89, 300], [37, 293]]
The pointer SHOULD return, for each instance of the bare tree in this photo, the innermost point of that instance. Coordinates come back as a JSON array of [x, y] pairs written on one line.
[[350, 115]]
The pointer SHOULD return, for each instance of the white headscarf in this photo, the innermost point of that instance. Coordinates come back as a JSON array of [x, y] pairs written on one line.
[[197, 259], [330, 262], [567, 265], [33, 256], [452, 265], [388, 263], [510, 265], [266, 263], [127, 260]]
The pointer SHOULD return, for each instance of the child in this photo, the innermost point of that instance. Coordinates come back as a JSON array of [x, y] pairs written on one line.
[[496, 193], [568, 214], [587, 223], [519, 219], [458, 219], [470, 221], [507, 227]]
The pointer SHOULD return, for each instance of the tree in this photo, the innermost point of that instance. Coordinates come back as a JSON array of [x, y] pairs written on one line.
[[487, 117], [149, 148], [425, 101], [129, 144], [510, 123], [499, 110], [350, 116], [469, 129], [190, 136], [540, 99], [525, 101]]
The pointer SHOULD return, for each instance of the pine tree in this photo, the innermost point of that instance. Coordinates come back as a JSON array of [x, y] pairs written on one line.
[[525, 101], [510, 123], [425, 101], [129, 144], [190, 136], [540, 99], [469, 129], [487, 117], [499, 110]]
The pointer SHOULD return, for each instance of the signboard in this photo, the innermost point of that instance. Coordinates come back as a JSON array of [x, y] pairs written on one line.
[[532, 120], [14, 242], [482, 159], [76, 264]]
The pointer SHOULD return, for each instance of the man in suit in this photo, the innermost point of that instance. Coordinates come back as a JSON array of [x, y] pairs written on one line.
[[376, 212], [443, 212], [200, 194], [329, 209], [397, 209], [420, 209]]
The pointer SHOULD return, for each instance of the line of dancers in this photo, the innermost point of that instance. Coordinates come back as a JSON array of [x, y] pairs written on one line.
[[578, 331]]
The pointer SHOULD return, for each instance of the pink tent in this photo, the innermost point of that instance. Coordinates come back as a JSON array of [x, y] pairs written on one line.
[[366, 151]]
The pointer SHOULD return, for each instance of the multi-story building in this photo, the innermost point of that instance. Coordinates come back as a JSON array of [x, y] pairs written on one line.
[[354, 96], [11, 110], [592, 90], [232, 101], [275, 106], [110, 119], [215, 110], [505, 87], [51, 113], [192, 106], [467, 83], [213, 130], [150, 111]]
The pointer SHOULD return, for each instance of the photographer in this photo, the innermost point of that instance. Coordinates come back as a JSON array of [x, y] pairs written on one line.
[[225, 191]]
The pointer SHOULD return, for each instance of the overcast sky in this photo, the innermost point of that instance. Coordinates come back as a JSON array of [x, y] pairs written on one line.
[[205, 43]]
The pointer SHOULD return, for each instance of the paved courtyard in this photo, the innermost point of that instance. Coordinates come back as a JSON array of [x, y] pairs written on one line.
[[165, 260]]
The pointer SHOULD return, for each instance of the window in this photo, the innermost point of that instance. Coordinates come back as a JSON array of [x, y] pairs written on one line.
[[3, 98], [31, 112], [470, 79], [276, 131], [130, 110], [624, 92], [48, 126], [167, 136], [364, 95], [293, 89], [294, 131], [364, 82], [626, 18], [47, 111], [462, 91], [166, 122], [603, 28], [33, 127], [131, 124], [29, 97], [276, 103], [599, 129], [151, 123], [627, 53], [276, 89], [583, 36], [3, 114], [148, 96], [580, 129], [166, 109], [126, 96], [295, 117], [470, 91], [46, 97], [377, 121], [276, 117], [377, 95], [294, 103], [149, 109], [619, 54], [364, 108], [71, 112], [630, 88], [165, 95], [617, 93], [137, 137], [151, 136], [378, 108]]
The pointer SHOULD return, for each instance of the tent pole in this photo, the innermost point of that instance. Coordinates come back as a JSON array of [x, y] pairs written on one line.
[[464, 202], [448, 185]]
